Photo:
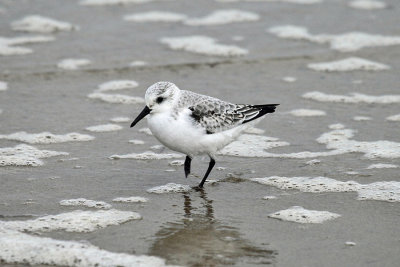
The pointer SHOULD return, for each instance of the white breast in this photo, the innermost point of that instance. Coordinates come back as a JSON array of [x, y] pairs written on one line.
[[179, 133]]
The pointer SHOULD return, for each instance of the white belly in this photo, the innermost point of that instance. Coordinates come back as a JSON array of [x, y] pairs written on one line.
[[180, 134]]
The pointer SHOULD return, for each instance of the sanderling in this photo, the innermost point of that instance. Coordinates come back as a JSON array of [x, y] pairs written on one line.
[[195, 124]]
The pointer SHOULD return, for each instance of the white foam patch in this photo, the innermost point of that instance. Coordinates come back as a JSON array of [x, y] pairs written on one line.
[[111, 2], [169, 188], [382, 166], [362, 118], [74, 221], [254, 130], [104, 128], [156, 16], [148, 155], [120, 119], [309, 184], [352, 98], [20, 248], [176, 163], [350, 243], [203, 45], [367, 4], [73, 63], [8, 46], [393, 118], [83, 202], [348, 64], [346, 42], [24, 155], [130, 199], [138, 63], [3, 86], [336, 126], [301, 2], [46, 137], [289, 79], [136, 142], [251, 146], [36, 23], [269, 197], [117, 98], [117, 85], [145, 131], [301, 215], [219, 17], [383, 191], [307, 112], [313, 162], [339, 142]]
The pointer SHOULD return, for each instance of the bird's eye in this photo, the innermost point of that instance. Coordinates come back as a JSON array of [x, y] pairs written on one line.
[[159, 99]]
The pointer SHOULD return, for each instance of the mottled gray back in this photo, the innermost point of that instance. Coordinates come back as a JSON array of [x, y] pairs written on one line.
[[215, 115]]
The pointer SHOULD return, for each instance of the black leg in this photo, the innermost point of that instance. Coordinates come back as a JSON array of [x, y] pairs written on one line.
[[210, 166], [188, 160]]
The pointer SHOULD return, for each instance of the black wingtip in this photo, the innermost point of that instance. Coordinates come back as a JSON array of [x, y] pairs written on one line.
[[264, 109]]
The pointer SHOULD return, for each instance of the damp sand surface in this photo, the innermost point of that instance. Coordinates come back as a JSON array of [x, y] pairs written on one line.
[[153, 216]]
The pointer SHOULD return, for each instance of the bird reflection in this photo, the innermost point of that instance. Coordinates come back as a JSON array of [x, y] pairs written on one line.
[[201, 240]]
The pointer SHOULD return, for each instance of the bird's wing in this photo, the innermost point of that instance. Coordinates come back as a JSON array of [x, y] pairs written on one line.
[[215, 115]]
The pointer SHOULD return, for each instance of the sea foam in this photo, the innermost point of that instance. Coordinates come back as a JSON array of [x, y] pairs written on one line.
[[8, 46], [73, 63], [104, 128], [169, 188], [348, 64], [21, 248], [117, 85], [46, 137], [383, 191], [352, 98], [346, 42], [155, 16], [74, 221], [83, 202], [219, 17], [130, 199], [24, 155], [148, 155], [36, 23], [3, 86], [251, 146], [367, 4], [301, 215], [307, 112], [203, 45], [117, 98]]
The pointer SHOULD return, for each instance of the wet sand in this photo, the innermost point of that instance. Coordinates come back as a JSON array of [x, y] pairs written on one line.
[[227, 223]]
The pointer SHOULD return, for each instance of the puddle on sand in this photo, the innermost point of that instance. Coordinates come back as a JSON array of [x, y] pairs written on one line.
[[199, 239]]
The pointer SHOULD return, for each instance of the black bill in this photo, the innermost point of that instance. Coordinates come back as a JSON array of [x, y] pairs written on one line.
[[142, 114]]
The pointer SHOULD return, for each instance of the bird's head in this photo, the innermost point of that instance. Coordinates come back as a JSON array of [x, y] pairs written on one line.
[[159, 97]]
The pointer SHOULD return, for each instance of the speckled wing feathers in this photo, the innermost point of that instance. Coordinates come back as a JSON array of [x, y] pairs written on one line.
[[215, 115]]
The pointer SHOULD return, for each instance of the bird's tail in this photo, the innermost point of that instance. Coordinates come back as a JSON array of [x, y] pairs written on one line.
[[262, 110]]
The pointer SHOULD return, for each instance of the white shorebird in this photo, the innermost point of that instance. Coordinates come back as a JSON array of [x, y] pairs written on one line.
[[195, 124]]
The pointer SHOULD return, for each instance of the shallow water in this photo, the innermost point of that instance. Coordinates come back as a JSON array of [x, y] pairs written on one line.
[[228, 223]]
